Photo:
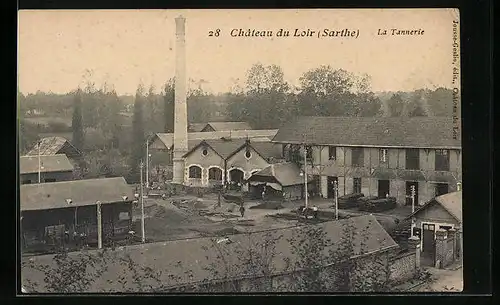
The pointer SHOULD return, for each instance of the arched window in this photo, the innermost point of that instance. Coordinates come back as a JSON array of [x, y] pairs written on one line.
[[195, 171], [215, 173]]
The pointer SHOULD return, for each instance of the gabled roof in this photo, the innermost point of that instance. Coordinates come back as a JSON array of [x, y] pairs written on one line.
[[50, 163], [168, 138], [451, 202], [53, 146], [286, 174], [46, 196], [195, 255], [407, 132], [267, 149], [226, 126]]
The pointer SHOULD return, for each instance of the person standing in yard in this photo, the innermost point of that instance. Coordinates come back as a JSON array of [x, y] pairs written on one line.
[[315, 212], [242, 210]]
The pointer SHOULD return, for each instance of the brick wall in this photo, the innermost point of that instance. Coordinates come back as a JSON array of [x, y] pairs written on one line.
[[447, 250], [403, 267]]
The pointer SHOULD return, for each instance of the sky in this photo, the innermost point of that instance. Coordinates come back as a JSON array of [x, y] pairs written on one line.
[[128, 47]]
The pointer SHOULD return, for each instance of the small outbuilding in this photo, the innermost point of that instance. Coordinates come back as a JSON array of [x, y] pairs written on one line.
[[65, 213], [50, 168], [283, 180]]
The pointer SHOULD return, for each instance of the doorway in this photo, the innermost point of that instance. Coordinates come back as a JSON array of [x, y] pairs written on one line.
[[331, 186], [409, 185], [428, 244], [383, 188]]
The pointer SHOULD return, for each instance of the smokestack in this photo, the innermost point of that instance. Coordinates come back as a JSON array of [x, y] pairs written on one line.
[[180, 119]]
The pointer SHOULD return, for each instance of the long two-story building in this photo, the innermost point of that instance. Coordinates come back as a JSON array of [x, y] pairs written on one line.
[[377, 156]]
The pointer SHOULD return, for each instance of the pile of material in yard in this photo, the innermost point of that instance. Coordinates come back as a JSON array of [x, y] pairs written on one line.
[[268, 205]]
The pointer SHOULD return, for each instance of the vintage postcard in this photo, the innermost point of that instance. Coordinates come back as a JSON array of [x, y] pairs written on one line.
[[240, 151]]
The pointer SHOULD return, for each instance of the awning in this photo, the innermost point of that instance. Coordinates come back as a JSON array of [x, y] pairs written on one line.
[[384, 174], [411, 175]]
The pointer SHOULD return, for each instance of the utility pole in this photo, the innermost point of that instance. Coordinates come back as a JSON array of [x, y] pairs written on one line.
[[147, 163], [336, 190], [305, 175], [142, 206], [99, 225], [39, 163], [412, 208]]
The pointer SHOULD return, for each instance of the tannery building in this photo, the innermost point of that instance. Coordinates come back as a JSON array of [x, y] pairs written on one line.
[[377, 156]]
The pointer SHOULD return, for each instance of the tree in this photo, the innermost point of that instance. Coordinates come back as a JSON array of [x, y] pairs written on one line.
[[77, 121], [265, 102], [138, 144], [395, 105], [417, 105], [326, 91], [168, 106], [441, 102], [28, 135]]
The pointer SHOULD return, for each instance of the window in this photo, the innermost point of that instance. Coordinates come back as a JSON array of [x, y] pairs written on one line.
[[308, 152], [215, 174], [412, 159], [27, 181], [332, 152], [383, 155], [195, 172], [357, 157], [356, 185], [123, 216], [441, 189], [248, 154], [50, 180], [442, 160], [204, 152]]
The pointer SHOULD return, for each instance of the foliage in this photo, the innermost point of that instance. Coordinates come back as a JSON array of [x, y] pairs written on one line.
[[168, 106], [77, 121], [28, 135], [139, 140]]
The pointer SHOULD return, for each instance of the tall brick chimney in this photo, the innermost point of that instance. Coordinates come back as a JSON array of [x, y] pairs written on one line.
[[180, 119]]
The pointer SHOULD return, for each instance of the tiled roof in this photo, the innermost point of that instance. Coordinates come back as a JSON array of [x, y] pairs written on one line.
[[418, 132], [178, 257], [168, 138], [451, 202], [267, 149], [50, 163], [285, 174], [226, 126], [53, 146], [82, 192]]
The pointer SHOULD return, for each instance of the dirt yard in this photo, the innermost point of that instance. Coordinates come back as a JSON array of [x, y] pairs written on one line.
[[443, 280]]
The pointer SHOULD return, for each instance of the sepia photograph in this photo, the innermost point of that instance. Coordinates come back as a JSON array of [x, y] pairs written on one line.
[[240, 151]]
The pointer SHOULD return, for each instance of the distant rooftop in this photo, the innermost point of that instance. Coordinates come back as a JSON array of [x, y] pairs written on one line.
[[53, 146], [50, 163], [409, 132], [53, 195]]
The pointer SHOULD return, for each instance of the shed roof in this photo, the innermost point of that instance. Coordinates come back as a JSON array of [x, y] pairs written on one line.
[[195, 255], [50, 163], [46, 196], [168, 138], [417, 132], [286, 174], [53, 146], [451, 202]]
